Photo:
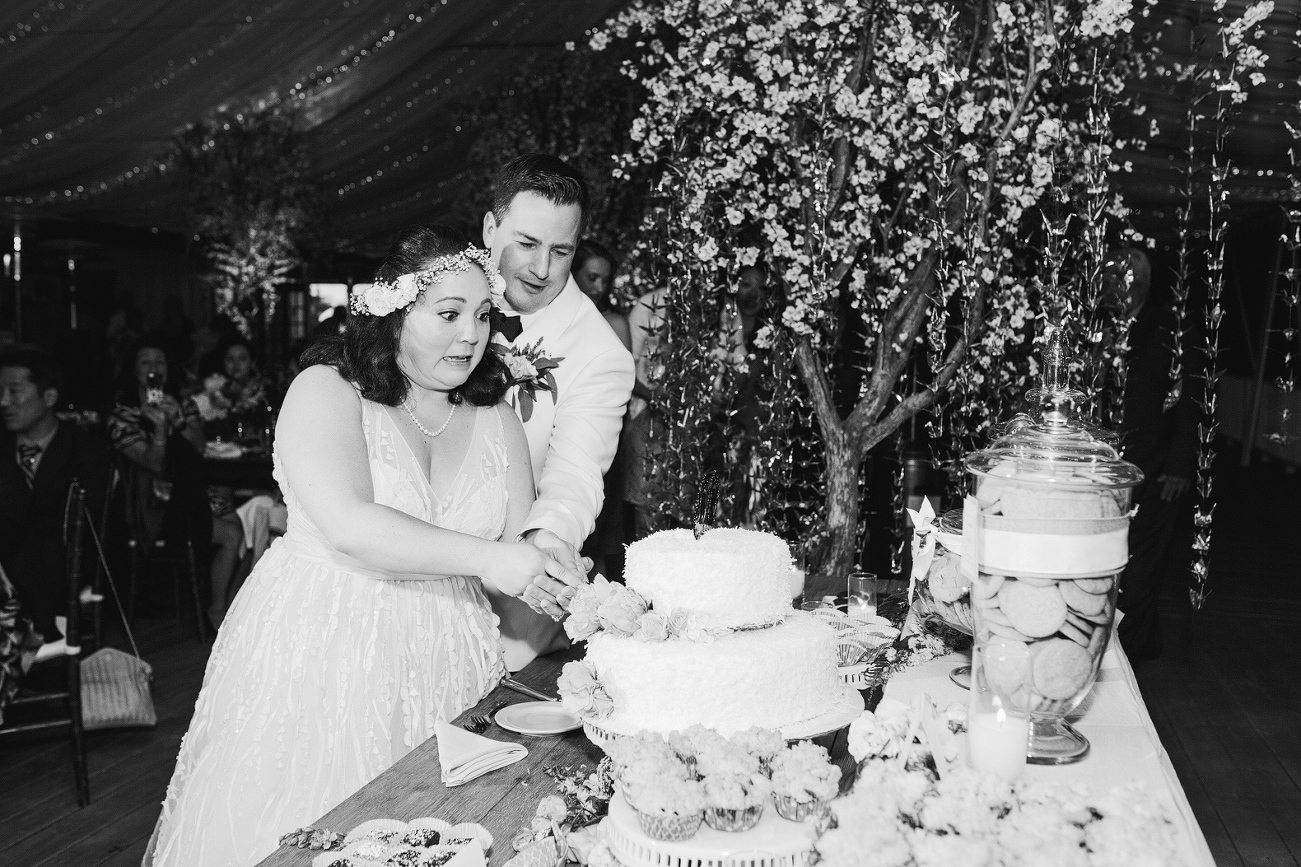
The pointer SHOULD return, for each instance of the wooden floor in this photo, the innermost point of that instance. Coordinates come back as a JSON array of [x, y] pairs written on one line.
[[1225, 697]]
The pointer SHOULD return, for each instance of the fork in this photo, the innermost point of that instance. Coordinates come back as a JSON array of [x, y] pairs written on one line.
[[479, 724]]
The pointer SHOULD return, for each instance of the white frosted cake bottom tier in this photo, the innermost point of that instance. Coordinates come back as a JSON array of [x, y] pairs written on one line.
[[772, 678]]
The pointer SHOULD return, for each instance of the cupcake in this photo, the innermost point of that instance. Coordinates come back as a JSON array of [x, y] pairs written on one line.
[[667, 808], [734, 801], [803, 781]]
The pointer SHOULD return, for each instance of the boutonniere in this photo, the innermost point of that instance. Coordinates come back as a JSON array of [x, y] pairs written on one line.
[[530, 369]]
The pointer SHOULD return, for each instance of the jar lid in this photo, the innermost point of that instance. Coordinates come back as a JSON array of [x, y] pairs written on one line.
[[1053, 447]]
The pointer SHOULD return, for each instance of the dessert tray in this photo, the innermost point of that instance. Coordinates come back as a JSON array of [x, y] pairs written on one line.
[[845, 711], [774, 842]]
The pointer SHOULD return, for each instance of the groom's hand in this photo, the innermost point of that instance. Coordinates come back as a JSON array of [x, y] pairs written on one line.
[[575, 573]]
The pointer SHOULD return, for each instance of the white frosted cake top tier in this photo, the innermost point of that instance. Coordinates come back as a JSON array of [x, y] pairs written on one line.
[[728, 577]]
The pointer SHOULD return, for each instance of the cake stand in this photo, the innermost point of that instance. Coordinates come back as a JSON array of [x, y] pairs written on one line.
[[774, 842], [846, 709]]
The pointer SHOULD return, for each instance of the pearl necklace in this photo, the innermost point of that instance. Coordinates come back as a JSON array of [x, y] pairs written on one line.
[[424, 430]]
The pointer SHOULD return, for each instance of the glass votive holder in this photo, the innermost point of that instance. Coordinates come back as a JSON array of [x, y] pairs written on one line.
[[861, 594], [998, 731]]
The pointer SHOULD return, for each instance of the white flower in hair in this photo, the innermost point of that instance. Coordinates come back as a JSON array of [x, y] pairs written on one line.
[[385, 297]]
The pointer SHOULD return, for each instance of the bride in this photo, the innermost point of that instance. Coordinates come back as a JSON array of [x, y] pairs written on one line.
[[367, 621]]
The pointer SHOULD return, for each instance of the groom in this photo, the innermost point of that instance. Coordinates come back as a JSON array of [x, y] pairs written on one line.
[[575, 375]]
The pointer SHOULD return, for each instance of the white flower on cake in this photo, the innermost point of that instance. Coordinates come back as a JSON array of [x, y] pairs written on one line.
[[581, 693], [604, 605]]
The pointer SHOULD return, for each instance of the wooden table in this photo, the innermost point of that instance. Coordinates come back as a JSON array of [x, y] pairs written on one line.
[[250, 470], [502, 801], [1125, 746]]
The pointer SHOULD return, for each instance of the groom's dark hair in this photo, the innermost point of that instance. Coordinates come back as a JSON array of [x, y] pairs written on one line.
[[548, 176], [366, 353]]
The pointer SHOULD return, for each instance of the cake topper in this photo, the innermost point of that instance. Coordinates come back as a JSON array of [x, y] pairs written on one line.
[[706, 501]]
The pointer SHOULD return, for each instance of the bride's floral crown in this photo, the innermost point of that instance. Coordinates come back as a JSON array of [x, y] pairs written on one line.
[[384, 296]]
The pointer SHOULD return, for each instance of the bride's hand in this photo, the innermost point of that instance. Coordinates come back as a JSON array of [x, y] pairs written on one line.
[[548, 596], [534, 576]]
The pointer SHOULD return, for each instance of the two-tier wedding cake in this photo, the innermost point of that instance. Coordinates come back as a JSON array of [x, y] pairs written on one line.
[[704, 633]]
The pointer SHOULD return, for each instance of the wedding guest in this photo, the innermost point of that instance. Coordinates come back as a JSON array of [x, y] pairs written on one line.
[[235, 396], [366, 623], [39, 458], [1163, 443], [208, 340], [646, 321], [160, 436], [334, 324], [176, 331], [594, 273], [124, 327], [756, 300], [19, 642], [538, 210]]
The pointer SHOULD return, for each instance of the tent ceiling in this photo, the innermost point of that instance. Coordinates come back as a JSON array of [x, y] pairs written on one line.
[[95, 89]]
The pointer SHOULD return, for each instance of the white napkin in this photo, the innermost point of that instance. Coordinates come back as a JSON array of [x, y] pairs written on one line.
[[220, 449], [465, 756]]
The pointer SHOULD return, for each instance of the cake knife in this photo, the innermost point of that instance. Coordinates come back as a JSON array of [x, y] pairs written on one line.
[[513, 684]]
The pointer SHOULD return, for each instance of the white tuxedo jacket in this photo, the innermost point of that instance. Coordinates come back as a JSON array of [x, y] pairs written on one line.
[[572, 441]]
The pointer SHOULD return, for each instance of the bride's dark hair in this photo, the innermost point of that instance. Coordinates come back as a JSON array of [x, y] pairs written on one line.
[[366, 352]]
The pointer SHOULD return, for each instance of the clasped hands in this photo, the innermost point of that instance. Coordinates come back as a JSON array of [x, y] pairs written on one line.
[[564, 571]]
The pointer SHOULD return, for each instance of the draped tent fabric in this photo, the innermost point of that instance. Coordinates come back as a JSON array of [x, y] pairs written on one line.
[[94, 91]]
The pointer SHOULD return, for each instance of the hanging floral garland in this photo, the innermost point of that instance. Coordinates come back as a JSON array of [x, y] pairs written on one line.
[[1217, 81], [1283, 435]]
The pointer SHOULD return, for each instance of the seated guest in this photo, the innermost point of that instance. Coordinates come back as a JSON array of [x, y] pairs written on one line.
[[39, 458], [19, 642], [234, 401], [161, 439]]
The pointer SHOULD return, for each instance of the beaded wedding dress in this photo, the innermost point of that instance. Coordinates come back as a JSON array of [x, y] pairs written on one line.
[[325, 672]]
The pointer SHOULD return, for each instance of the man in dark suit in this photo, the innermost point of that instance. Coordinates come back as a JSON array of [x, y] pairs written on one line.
[[1162, 441], [39, 458]]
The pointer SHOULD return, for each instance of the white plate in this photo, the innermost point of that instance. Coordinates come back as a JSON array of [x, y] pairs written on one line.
[[537, 718]]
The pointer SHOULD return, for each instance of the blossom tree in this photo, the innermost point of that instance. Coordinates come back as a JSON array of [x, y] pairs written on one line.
[[250, 198], [885, 159]]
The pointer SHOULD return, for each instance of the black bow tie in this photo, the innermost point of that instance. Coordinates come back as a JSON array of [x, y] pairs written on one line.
[[508, 325]]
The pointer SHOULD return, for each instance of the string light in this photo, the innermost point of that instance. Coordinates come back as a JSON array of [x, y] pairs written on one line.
[[300, 90]]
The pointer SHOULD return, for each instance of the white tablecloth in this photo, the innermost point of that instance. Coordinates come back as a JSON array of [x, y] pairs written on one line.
[[1113, 717]]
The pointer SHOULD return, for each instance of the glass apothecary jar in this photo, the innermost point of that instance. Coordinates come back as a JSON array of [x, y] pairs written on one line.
[[1048, 528]]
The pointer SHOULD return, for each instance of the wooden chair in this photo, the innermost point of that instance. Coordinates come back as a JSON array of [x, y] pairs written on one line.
[[67, 700], [176, 556], [99, 530]]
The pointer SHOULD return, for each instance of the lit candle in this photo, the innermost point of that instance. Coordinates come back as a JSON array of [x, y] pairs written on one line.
[[861, 595], [797, 582], [997, 743], [862, 607]]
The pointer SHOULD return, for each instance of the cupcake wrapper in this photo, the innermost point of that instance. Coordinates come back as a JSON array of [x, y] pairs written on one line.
[[797, 811], [721, 819], [671, 829]]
